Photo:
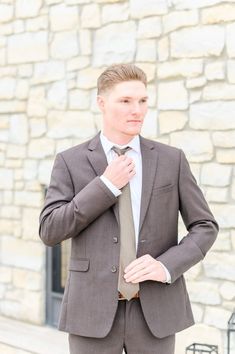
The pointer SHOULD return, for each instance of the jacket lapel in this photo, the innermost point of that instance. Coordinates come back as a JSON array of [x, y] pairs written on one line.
[[98, 160], [149, 168]]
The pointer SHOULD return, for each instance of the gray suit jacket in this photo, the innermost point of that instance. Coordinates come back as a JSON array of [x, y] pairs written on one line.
[[79, 206]]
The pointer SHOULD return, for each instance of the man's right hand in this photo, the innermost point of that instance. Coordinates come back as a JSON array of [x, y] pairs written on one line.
[[120, 171]]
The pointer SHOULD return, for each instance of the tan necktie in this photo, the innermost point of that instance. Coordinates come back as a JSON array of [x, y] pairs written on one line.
[[127, 236]]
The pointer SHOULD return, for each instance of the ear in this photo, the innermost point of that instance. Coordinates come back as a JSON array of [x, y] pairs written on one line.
[[101, 102]]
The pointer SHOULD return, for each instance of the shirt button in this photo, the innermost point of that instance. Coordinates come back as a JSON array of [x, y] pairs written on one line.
[[113, 269], [115, 239]]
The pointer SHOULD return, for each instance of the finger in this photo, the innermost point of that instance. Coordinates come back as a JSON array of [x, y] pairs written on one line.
[[133, 264], [134, 270], [134, 276]]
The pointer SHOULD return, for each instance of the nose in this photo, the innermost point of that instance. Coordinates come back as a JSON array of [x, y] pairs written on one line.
[[136, 110]]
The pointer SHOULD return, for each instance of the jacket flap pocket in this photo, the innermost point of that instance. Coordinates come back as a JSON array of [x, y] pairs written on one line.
[[79, 264]]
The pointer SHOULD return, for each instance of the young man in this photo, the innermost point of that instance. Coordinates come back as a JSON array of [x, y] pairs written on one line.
[[117, 197]]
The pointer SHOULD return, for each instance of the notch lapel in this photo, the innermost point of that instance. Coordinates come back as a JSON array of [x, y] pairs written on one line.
[[149, 168], [98, 160]]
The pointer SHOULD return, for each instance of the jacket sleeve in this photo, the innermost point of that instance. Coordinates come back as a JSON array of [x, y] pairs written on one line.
[[65, 214], [199, 221]]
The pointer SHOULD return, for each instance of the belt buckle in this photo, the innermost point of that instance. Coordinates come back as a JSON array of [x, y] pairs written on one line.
[[121, 297]]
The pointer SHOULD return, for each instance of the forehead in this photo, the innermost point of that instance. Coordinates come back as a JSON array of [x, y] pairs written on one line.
[[129, 88]]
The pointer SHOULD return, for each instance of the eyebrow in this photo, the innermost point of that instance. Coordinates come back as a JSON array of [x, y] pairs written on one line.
[[145, 97]]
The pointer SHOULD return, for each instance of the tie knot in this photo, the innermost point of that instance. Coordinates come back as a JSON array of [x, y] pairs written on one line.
[[119, 151]]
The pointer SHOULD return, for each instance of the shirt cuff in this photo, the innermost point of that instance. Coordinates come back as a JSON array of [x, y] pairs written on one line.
[[168, 276], [110, 186]]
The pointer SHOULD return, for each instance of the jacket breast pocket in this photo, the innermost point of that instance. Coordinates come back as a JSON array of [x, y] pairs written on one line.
[[79, 264], [163, 189]]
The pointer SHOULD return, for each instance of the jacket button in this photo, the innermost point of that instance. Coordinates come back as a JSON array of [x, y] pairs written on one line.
[[115, 239], [113, 269]]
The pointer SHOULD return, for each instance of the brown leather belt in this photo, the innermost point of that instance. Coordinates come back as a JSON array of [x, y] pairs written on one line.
[[121, 297]]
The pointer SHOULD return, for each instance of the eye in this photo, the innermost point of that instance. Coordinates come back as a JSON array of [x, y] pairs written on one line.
[[125, 101], [144, 100]]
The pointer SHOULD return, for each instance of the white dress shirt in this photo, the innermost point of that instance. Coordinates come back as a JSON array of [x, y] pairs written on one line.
[[135, 182]]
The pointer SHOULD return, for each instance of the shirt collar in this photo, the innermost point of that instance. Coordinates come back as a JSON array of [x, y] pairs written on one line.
[[107, 144]]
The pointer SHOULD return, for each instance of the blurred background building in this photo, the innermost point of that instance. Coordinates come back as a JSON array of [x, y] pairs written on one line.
[[51, 53]]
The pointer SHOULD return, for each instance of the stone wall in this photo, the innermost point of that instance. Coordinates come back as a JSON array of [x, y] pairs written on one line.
[[51, 53]]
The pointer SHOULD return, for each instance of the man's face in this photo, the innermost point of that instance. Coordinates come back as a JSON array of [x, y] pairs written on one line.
[[124, 107]]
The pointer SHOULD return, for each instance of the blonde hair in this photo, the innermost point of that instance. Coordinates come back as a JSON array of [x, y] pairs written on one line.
[[117, 73]]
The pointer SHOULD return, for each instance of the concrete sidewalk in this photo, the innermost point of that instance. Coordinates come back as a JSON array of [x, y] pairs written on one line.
[[23, 338]]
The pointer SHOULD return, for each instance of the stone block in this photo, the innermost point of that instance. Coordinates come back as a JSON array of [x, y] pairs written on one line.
[[163, 49], [37, 24], [28, 199], [26, 279], [16, 151], [225, 156], [79, 99], [149, 69], [150, 27], [220, 195], [197, 145], [27, 47], [140, 9], [197, 312], [37, 127], [230, 33], [219, 91], [85, 43], [57, 95], [115, 13], [206, 293], [194, 272], [231, 71], [30, 256], [182, 67], [233, 189], [10, 212], [178, 19], [12, 106], [214, 174], [22, 89], [220, 265], [44, 171], [63, 18], [215, 70], [41, 148], [2, 56], [30, 169], [224, 139], [6, 178], [225, 215], [18, 133], [7, 88], [27, 8], [6, 29], [70, 124], [195, 4], [80, 62], [25, 70], [152, 95], [90, 17], [218, 14], [6, 12], [37, 105], [170, 121], [216, 115], [6, 274], [149, 129], [146, 50], [227, 290], [65, 45], [172, 95], [197, 42], [87, 78], [30, 229], [47, 72], [217, 317], [222, 242], [196, 82], [114, 43]]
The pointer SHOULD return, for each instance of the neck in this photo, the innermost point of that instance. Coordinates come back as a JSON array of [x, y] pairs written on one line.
[[118, 139]]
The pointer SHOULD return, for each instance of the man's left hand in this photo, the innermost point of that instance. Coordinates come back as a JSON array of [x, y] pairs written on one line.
[[145, 268]]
